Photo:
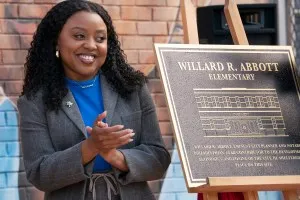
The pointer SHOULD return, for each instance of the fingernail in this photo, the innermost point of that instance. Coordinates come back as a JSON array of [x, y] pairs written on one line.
[[132, 134], [130, 140]]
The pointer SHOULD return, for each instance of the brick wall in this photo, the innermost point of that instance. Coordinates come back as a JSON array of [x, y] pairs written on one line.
[[139, 23]]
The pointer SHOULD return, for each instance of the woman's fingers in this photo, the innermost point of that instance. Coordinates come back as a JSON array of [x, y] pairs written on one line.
[[106, 130], [99, 118], [111, 144], [118, 138], [89, 129], [106, 138], [102, 124], [115, 136]]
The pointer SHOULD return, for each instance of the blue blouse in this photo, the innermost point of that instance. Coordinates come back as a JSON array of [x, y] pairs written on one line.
[[88, 96]]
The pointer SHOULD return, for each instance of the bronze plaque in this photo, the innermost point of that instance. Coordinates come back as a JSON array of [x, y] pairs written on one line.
[[235, 110]]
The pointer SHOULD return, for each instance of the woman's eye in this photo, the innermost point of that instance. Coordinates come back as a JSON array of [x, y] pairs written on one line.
[[79, 36], [100, 39]]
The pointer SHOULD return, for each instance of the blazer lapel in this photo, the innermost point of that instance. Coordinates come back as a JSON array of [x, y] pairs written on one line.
[[71, 109], [109, 98]]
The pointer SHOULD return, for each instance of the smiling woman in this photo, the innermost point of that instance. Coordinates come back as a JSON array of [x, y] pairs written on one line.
[[82, 45], [88, 124]]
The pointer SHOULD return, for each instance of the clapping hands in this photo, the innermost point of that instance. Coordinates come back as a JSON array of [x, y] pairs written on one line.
[[107, 139]]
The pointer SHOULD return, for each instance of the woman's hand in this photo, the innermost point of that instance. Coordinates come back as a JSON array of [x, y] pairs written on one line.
[[105, 140]]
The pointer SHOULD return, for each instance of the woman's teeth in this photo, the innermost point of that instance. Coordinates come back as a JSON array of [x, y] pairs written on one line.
[[87, 58]]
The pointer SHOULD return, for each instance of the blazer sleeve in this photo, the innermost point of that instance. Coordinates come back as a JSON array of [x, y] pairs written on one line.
[[149, 160], [46, 168]]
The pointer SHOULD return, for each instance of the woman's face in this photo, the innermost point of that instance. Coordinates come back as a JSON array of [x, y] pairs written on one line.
[[82, 45]]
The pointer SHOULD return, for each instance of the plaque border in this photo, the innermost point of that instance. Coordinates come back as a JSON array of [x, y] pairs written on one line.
[[160, 48]]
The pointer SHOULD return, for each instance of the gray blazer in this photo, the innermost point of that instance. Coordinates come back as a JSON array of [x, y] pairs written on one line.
[[51, 145]]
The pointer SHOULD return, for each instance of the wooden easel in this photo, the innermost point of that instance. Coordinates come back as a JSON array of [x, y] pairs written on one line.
[[248, 185]]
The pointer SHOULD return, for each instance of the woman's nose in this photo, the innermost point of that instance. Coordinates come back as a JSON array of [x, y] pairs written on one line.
[[90, 44]]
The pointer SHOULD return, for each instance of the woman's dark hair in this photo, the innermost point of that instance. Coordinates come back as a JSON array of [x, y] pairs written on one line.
[[43, 71]]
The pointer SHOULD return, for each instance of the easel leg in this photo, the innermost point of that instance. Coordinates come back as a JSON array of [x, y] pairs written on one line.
[[210, 196], [251, 195], [290, 195]]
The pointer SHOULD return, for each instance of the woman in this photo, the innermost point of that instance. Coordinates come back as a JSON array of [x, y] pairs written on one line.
[[88, 124]]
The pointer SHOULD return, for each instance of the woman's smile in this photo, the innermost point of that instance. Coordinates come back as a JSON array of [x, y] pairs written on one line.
[[86, 59]]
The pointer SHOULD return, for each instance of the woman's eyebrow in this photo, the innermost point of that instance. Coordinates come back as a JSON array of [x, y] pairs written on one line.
[[77, 27], [102, 30]]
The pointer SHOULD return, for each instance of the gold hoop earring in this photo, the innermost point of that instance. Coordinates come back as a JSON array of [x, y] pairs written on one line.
[[57, 53]]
